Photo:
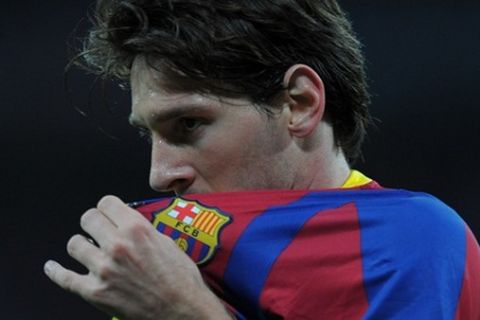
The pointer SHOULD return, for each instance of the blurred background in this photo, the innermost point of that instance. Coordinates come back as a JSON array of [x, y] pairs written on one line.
[[423, 63]]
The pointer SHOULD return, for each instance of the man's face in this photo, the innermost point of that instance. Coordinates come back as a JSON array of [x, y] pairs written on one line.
[[205, 144]]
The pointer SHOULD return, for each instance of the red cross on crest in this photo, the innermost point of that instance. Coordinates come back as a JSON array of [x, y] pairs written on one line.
[[184, 212]]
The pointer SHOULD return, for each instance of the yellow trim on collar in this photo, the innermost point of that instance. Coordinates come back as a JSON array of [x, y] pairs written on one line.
[[356, 179]]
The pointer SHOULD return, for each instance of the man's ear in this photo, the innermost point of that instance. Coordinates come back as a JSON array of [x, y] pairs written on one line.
[[306, 99]]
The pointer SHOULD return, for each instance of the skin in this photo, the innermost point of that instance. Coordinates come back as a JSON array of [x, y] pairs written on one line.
[[200, 143]]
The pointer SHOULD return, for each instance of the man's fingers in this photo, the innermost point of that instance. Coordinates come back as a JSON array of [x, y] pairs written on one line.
[[85, 252], [96, 224], [117, 211], [66, 279]]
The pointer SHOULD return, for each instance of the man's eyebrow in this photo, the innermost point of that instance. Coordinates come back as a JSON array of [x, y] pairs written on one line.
[[175, 112]]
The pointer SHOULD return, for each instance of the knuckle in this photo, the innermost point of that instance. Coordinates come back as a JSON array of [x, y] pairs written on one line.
[[106, 271], [119, 250]]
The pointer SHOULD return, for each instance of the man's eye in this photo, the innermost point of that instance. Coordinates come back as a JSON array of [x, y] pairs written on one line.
[[190, 124]]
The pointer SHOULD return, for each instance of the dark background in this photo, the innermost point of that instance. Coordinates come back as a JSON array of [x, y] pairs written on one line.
[[424, 68]]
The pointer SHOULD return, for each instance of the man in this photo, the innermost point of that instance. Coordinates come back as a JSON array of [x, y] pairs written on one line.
[[256, 96]]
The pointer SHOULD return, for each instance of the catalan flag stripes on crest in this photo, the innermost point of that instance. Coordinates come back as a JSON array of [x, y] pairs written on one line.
[[206, 222]]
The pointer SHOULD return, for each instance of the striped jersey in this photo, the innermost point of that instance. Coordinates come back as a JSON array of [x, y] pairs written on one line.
[[359, 252]]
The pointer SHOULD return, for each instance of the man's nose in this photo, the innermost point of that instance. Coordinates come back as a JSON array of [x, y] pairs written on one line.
[[170, 168]]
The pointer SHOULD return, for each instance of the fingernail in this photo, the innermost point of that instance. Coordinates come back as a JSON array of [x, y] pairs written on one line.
[[47, 268]]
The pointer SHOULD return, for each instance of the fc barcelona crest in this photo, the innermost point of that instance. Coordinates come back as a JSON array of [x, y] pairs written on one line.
[[194, 227]]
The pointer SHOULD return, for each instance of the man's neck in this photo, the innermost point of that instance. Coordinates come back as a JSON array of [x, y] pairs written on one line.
[[334, 173]]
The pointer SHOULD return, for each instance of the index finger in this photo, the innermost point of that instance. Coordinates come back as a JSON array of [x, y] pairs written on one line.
[[117, 211]]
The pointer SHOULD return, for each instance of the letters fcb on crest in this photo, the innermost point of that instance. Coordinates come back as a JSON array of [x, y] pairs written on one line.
[[194, 227]]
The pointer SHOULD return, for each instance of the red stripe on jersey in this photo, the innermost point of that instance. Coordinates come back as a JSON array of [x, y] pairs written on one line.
[[197, 249], [168, 230], [468, 304], [326, 257]]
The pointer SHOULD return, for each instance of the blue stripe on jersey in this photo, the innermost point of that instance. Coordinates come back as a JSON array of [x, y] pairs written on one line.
[[204, 251], [413, 256], [191, 244], [175, 234], [399, 229], [160, 227]]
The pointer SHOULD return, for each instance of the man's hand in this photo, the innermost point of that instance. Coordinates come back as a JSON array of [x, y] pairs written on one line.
[[135, 272]]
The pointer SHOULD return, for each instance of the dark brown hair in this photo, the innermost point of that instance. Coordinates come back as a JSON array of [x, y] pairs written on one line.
[[238, 47]]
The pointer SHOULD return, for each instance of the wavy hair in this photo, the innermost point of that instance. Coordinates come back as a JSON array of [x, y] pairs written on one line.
[[238, 47]]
